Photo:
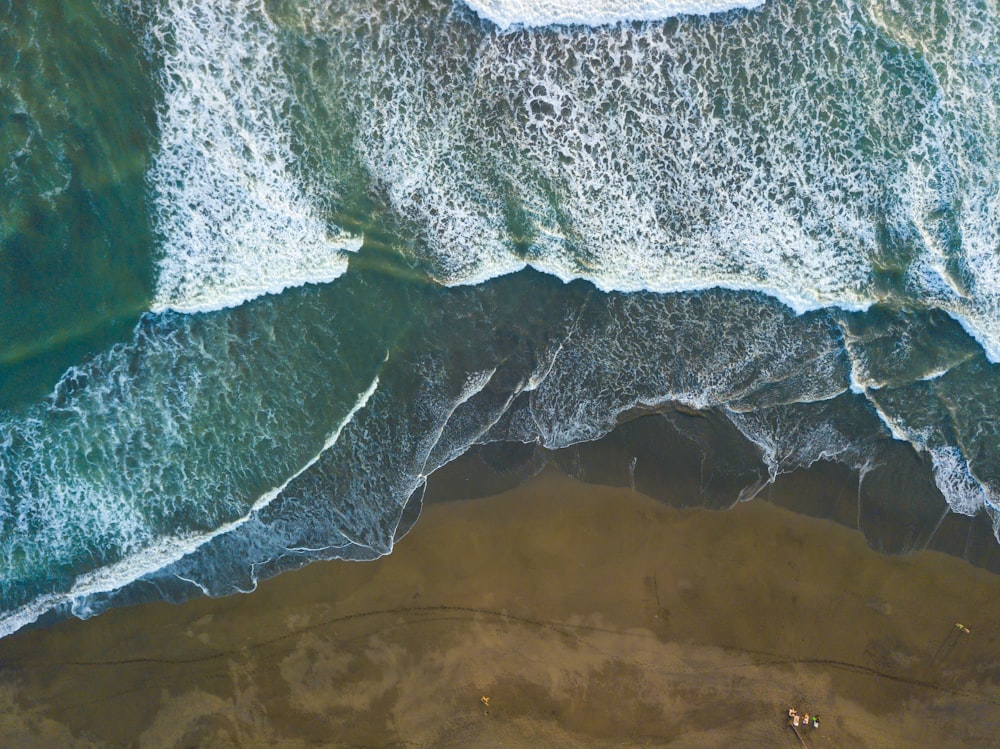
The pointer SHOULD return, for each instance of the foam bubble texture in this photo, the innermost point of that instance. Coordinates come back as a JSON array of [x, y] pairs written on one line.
[[951, 418], [957, 211], [846, 162], [159, 444], [235, 217], [654, 158], [507, 13]]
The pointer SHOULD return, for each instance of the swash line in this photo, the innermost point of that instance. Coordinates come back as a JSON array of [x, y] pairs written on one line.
[[166, 551]]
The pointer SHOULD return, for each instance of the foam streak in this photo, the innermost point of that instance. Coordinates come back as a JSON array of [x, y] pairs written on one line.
[[164, 551]]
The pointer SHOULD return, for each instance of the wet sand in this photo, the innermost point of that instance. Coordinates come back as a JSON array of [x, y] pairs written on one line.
[[589, 616]]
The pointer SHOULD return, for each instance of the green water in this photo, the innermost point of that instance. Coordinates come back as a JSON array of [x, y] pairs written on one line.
[[77, 124]]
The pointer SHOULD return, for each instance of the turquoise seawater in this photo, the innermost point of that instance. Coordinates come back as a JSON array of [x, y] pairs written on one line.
[[77, 125], [266, 266]]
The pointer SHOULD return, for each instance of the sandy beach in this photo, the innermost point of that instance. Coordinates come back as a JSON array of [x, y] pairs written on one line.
[[584, 616]]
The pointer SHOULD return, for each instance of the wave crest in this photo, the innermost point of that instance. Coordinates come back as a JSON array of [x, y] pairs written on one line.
[[236, 220], [507, 13]]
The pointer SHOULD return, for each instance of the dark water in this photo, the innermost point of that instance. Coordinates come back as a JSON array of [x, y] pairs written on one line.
[[267, 266]]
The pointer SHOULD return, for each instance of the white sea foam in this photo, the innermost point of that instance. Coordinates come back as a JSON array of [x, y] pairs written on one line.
[[164, 550], [960, 488], [234, 215], [959, 269], [631, 168], [953, 476], [655, 158], [528, 13], [787, 442], [619, 169]]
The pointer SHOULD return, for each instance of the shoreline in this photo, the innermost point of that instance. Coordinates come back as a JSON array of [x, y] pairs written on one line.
[[589, 615]]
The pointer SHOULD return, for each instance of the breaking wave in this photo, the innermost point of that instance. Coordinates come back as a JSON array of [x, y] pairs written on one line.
[[507, 13], [842, 163], [791, 226], [234, 211]]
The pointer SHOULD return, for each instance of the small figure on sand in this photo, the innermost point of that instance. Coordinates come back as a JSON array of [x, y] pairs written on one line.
[[795, 720]]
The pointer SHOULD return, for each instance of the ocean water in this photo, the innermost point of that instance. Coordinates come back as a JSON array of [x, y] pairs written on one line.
[[268, 265]]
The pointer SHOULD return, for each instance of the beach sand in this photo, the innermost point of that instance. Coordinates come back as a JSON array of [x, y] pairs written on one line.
[[588, 616]]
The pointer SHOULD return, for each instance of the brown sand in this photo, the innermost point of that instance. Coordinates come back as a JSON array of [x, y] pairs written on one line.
[[590, 617]]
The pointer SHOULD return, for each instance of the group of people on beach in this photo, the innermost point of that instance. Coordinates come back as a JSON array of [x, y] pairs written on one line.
[[795, 720]]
